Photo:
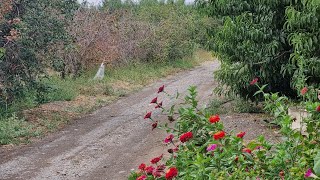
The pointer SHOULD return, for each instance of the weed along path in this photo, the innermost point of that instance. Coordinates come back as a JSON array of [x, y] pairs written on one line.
[[108, 143]]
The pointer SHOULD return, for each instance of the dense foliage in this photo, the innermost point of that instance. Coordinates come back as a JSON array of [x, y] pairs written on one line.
[[273, 40], [41, 37], [200, 148], [151, 31], [303, 21], [28, 29]]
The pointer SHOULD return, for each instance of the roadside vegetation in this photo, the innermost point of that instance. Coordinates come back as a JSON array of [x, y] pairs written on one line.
[[275, 41], [70, 98], [269, 61], [200, 148], [49, 56]]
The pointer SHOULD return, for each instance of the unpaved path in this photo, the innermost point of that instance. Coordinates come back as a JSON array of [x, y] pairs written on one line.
[[108, 143]]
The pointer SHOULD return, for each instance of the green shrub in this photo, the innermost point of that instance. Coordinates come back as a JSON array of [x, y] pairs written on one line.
[[14, 130], [200, 149], [276, 41], [251, 44], [303, 19], [27, 31]]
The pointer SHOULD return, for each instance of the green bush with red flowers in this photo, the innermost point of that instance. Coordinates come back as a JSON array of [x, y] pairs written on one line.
[[199, 147]]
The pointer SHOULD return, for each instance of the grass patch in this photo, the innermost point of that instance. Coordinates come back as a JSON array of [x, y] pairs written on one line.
[[84, 95], [14, 130]]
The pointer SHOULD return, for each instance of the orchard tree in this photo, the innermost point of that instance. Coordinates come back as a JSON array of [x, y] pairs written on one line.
[[28, 28]]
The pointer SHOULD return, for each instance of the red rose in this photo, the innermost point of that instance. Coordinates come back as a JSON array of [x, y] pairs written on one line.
[[149, 169], [247, 150], [154, 125], [148, 115], [171, 173], [142, 166], [154, 101], [304, 91], [318, 108], [241, 134], [219, 135], [161, 89], [142, 177], [254, 81], [156, 159], [214, 119], [186, 136]]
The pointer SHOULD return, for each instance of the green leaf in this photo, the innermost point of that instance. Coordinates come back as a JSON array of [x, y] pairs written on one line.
[[2, 52], [253, 144], [316, 166]]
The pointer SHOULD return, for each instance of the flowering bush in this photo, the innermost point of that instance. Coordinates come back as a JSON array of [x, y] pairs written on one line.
[[206, 151]]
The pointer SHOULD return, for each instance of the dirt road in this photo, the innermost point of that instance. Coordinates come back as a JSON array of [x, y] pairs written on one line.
[[110, 142], [106, 144]]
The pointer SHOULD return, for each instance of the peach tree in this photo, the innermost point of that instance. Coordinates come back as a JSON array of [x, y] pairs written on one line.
[[274, 40]]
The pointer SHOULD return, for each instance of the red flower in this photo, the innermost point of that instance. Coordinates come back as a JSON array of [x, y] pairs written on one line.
[[156, 174], [214, 119], [142, 177], [148, 115], [154, 125], [159, 105], [304, 91], [171, 151], [169, 138], [171, 173], [241, 134], [161, 168], [318, 108], [254, 81], [186, 136], [236, 159], [142, 166], [161, 89], [219, 135], [309, 174], [247, 150], [149, 169], [154, 101], [176, 149], [156, 159]]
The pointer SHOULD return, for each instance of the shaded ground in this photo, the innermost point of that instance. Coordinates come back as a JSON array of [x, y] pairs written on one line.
[[253, 124], [110, 142]]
